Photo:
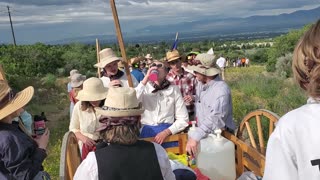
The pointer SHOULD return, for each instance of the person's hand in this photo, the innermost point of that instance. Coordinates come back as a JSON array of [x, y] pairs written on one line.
[[160, 137], [87, 141], [115, 83], [43, 140], [146, 77], [188, 99], [192, 146]]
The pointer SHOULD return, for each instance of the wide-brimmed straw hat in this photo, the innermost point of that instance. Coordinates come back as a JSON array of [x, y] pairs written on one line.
[[172, 55], [136, 60], [77, 80], [10, 102], [93, 90], [107, 56], [148, 56], [121, 102], [72, 72], [207, 66]]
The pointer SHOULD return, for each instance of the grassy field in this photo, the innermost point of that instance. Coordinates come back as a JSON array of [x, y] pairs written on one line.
[[252, 88]]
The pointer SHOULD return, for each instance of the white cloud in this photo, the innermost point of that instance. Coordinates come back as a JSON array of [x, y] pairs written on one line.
[[134, 14]]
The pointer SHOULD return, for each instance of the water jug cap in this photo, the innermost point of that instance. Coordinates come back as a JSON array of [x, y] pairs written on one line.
[[193, 124], [193, 127], [218, 134]]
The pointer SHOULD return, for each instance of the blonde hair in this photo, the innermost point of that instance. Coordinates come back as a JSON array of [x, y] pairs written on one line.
[[306, 61]]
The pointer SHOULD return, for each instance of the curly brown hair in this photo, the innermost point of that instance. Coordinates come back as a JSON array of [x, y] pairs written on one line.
[[306, 61]]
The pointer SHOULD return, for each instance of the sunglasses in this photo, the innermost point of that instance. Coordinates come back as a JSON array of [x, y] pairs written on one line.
[[156, 65]]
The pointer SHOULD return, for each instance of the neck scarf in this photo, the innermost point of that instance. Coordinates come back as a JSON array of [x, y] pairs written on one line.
[[116, 76], [164, 85]]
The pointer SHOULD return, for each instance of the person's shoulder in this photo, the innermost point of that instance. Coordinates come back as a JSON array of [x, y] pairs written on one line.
[[293, 119]]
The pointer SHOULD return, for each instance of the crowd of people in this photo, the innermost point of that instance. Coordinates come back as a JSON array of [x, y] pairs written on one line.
[[109, 118]]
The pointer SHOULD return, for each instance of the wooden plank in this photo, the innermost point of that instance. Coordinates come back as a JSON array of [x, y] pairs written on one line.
[[120, 41], [260, 134], [253, 142], [271, 127], [2, 74], [98, 56], [180, 138]]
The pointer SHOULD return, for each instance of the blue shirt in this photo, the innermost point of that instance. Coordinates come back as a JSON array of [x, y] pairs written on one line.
[[213, 104], [137, 74], [20, 156]]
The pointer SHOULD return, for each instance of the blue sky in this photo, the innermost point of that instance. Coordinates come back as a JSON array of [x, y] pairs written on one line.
[[48, 20]]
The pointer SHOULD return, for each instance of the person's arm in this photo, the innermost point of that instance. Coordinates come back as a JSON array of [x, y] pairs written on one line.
[[280, 161], [74, 125], [88, 169], [19, 160], [164, 163], [180, 114]]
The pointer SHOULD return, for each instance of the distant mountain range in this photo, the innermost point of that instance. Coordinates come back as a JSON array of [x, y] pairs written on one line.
[[210, 27]]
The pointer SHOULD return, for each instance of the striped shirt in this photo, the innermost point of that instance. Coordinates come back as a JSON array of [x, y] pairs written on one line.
[[186, 83]]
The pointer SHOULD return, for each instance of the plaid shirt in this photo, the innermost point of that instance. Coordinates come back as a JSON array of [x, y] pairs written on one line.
[[186, 83]]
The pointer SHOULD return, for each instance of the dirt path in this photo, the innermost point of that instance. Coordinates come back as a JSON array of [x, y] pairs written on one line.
[[54, 117]]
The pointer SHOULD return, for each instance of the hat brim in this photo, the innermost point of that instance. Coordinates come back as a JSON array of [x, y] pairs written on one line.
[[19, 101], [84, 96], [104, 62], [74, 85], [207, 72], [120, 113]]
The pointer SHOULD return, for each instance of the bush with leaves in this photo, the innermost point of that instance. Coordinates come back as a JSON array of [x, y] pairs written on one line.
[[283, 45], [283, 66]]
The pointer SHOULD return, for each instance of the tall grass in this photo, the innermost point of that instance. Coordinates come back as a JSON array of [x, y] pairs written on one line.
[[253, 88]]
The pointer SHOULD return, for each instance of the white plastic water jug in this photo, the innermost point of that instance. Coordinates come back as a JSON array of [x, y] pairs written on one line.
[[216, 157]]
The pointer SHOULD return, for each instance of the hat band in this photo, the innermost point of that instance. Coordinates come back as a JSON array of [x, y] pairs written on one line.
[[7, 98], [107, 108], [109, 122]]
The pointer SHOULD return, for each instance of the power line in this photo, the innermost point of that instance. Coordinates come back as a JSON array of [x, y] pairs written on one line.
[[14, 39]]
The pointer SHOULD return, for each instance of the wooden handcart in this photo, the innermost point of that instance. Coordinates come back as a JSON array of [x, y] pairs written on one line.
[[250, 154]]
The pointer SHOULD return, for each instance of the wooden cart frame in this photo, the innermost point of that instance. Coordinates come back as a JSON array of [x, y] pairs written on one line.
[[249, 157]]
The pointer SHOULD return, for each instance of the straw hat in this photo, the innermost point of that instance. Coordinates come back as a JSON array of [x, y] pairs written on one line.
[[135, 60], [10, 102], [93, 90], [72, 72], [120, 64], [172, 55], [121, 102], [107, 56], [77, 80], [207, 65], [148, 56]]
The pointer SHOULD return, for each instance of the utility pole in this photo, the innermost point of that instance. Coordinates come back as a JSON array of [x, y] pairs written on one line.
[[14, 39]]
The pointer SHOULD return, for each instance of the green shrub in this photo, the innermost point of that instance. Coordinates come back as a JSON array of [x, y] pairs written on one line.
[[283, 66], [49, 81]]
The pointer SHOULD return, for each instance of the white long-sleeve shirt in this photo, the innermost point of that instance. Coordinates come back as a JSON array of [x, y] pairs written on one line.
[[85, 122], [88, 169], [293, 151], [164, 106]]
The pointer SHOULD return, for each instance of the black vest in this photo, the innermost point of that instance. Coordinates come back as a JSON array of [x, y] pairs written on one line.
[[128, 162]]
